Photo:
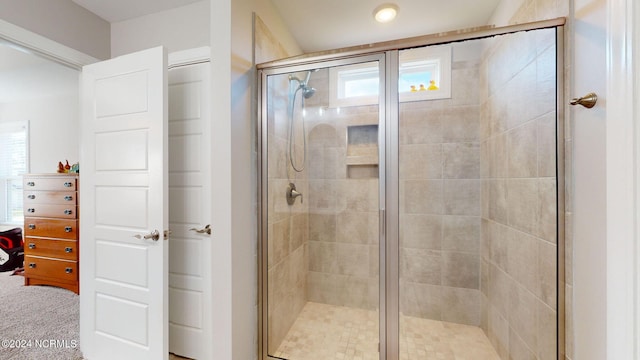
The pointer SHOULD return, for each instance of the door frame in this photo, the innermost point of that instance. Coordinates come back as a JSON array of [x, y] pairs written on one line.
[[623, 181]]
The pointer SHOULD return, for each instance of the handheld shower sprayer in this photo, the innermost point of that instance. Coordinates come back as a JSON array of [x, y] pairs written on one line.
[[307, 92]]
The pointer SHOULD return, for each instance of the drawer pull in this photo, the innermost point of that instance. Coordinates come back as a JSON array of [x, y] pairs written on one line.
[[32, 226], [68, 250], [67, 229], [32, 246], [31, 183], [32, 265], [68, 198], [31, 210], [68, 184], [31, 196], [68, 212], [68, 270]]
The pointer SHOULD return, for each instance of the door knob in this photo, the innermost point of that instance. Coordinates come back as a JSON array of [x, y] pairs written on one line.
[[154, 235], [587, 101], [206, 229]]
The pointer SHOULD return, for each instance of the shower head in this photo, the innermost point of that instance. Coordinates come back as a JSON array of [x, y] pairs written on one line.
[[307, 91]]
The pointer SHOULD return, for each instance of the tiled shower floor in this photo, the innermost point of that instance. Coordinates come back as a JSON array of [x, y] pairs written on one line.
[[325, 332]]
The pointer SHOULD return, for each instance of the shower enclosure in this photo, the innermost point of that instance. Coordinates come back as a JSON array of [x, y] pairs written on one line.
[[412, 199]]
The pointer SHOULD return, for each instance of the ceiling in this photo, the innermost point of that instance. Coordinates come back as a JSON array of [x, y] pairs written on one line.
[[329, 24], [119, 10]]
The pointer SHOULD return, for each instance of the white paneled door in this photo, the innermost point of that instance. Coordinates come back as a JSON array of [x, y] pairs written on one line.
[[190, 211], [124, 195]]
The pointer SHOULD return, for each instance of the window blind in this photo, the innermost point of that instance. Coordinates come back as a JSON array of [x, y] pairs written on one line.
[[14, 139]]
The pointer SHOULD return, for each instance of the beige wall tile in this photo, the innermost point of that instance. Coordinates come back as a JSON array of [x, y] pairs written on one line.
[[421, 300], [357, 227], [497, 202], [421, 161], [461, 233], [547, 223], [547, 145], [499, 289], [523, 314], [462, 306], [523, 203], [324, 257], [421, 231], [421, 266], [422, 126], [523, 263], [518, 350], [461, 270], [352, 259], [522, 151], [462, 197], [422, 196], [461, 124], [322, 227], [547, 333], [461, 160], [547, 268]]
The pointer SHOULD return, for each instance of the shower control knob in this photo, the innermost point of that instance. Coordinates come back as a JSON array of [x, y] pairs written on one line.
[[292, 194]]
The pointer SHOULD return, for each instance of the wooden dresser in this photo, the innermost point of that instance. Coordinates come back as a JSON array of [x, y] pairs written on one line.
[[51, 244]]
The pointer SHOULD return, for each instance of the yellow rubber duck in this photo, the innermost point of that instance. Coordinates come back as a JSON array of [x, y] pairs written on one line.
[[432, 85]]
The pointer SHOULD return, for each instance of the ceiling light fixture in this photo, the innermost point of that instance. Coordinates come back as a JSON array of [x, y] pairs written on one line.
[[385, 13]]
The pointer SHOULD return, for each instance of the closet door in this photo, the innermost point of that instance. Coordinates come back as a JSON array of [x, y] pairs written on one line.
[[189, 208], [124, 276]]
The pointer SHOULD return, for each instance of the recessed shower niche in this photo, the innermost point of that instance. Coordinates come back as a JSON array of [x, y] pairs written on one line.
[[362, 151]]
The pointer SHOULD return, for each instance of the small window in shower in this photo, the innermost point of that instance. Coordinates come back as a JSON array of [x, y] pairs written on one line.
[[424, 74]]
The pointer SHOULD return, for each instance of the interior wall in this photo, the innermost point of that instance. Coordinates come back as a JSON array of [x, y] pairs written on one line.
[[63, 21], [53, 129], [235, 188], [177, 29]]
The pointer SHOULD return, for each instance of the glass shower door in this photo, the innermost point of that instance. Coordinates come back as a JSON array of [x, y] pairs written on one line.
[[477, 198], [322, 196]]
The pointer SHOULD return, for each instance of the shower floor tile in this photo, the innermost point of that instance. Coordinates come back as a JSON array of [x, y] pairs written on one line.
[[323, 332]]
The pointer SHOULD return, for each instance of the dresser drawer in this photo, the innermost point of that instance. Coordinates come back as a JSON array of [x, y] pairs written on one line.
[[51, 268], [50, 197], [56, 211], [52, 228], [49, 183], [61, 249]]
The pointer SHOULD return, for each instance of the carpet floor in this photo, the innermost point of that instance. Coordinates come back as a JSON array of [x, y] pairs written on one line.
[[37, 322]]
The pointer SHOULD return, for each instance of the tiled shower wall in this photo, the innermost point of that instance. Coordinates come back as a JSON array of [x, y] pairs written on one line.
[[440, 202], [519, 247], [343, 205]]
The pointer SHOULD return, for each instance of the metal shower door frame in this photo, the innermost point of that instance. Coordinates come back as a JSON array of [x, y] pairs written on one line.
[[263, 223], [388, 141]]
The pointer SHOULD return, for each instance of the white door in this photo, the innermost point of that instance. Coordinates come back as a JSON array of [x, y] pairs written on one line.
[[123, 196], [190, 211], [589, 206]]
